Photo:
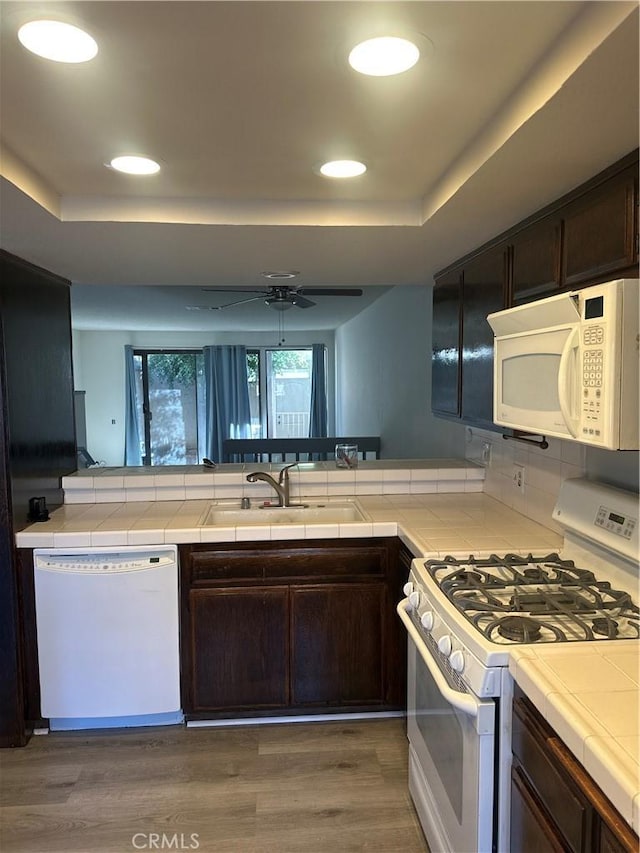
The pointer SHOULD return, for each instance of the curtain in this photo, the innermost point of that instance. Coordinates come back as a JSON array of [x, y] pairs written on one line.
[[227, 397], [132, 454], [318, 413]]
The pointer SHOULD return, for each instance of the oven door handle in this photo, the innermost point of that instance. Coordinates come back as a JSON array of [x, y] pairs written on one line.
[[462, 701]]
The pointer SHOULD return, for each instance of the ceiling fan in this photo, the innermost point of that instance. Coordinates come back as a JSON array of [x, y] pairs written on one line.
[[281, 297]]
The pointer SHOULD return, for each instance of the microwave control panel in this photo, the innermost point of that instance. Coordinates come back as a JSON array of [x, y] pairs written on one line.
[[593, 337]]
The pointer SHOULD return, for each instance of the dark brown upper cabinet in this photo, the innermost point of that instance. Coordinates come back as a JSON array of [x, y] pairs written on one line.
[[535, 261], [600, 232], [445, 363], [483, 291], [587, 236]]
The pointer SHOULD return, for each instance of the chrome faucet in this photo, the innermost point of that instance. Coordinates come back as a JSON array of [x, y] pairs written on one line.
[[281, 487]]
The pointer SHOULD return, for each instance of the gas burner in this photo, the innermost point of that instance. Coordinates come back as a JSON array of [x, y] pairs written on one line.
[[520, 629], [605, 626], [534, 573]]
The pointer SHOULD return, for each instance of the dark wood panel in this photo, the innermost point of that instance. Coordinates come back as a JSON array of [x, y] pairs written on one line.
[[337, 642], [27, 599], [535, 261], [37, 434], [272, 561], [600, 231], [617, 840], [445, 359], [483, 291], [560, 797], [240, 648], [35, 307], [12, 726], [531, 830]]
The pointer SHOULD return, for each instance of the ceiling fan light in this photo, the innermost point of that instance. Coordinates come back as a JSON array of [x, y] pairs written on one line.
[[384, 57], [57, 41], [279, 304], [342, 169]]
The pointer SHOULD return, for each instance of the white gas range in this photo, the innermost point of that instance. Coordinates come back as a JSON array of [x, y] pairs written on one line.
[[463, 614]]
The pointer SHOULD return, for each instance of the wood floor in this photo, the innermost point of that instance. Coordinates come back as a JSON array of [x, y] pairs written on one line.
[[332, 787]]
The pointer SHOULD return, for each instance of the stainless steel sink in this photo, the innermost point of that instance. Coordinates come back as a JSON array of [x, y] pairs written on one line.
[[326, 512]]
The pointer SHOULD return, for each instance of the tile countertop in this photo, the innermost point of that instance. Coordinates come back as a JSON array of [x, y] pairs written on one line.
[[433, 524], [589, 694]]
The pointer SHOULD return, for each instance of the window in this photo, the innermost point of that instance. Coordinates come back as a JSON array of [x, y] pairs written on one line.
[[171, 395], [280, 392], [170, 388]]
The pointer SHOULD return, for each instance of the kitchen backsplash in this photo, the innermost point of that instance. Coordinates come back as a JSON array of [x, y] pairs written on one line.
[[544, 471]]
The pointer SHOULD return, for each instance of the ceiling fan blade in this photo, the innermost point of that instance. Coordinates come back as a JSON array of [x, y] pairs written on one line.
[[237, 302], [302, 302], [233, 290], [331, 291]]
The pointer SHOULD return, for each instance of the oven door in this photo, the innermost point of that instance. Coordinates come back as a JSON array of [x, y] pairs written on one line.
[[451, 757]]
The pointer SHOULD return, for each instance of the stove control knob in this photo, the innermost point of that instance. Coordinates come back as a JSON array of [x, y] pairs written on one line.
[[407, 588], [414, 599], [444, 644], [427, 620], [456, 659]]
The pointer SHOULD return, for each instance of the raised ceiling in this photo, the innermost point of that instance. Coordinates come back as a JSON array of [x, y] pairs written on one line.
[[512, 104]]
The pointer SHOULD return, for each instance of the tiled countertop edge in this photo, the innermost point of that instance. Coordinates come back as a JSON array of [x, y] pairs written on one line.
[[600, 750], [104, 485], [178, 522]]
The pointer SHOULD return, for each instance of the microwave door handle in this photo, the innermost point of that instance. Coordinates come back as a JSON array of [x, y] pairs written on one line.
[[462, 701], [568, 382]]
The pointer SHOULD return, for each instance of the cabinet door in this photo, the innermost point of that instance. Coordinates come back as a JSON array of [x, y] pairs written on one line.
[[600, 231], [239, 647], [622, 839], [483, 291], [337, 639], [535, 261], [531, 831], [445, 361]]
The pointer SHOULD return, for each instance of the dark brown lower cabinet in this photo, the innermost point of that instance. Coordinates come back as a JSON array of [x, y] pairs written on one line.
[[241, 647], [555, 805], [291, 627], [337, 644]]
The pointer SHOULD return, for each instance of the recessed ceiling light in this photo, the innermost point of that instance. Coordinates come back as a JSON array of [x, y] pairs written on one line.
[[382, 57], [342, 169], [57, 41], [134, 165], [280, 274]]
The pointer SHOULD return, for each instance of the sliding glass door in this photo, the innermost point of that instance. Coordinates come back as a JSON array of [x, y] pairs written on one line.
[[170, 386], [280, 392]]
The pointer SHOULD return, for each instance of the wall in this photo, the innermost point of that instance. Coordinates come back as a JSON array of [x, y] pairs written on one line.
[[545, 470], [98, 358], [383, 379]]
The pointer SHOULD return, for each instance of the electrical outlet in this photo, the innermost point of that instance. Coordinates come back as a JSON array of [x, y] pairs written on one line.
[[518, 478]]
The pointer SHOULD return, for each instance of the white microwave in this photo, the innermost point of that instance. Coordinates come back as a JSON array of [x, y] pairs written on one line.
[[567, 366]]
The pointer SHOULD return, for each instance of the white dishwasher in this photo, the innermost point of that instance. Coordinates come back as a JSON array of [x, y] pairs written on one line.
[[107, 626]]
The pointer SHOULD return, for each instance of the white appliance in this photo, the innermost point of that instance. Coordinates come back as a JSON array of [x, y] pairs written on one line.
[[463, 614], [567, 366], [107, 628]]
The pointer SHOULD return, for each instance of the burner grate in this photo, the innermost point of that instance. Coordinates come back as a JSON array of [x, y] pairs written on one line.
[[516, 599]]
